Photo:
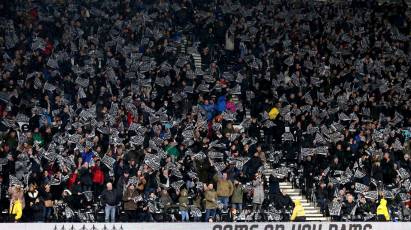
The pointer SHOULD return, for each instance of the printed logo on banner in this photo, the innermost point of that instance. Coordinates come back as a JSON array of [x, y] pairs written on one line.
[[212, 226], [289, 226]]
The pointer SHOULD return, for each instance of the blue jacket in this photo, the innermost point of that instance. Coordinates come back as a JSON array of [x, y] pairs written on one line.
[[221, 104], [209, 110], [87, 156]]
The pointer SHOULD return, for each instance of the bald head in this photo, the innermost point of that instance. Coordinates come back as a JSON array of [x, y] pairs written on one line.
[[109, 186]]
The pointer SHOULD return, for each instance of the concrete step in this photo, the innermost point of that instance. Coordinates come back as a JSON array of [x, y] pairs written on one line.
[[317, 219], [297, 197], [285, 186], [304, 201], [284, 183], [314, 215], [307, 205], [290, 190], [292, 193], [312, 211]]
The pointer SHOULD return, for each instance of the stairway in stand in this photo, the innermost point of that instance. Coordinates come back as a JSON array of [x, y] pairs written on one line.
[[197, 61], [312, 212]]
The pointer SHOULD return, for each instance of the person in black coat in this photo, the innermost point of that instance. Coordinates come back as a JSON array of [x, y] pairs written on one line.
[[254, 129], [309, 167], [405, 163], [348, 205], [274, 187], [251, 167], [388, 170], [3, 192], [85, 178], [322, 195], [110, 199], [122, 183], [37, 211]]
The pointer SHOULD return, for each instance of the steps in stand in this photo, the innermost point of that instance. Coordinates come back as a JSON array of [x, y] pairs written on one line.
[[183, 46], [197, 61], [312, 212]]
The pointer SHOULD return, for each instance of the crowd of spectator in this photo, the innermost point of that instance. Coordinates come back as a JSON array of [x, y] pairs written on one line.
[[175, 110]]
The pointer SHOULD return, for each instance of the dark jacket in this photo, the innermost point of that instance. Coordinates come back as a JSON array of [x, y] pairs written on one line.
[[85, 177], [274, 187], [37, 212], [110, 197]]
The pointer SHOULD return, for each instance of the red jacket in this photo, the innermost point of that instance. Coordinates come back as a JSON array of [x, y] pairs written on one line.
[[72, 179], [48, 49], [130, 118], [98, 175], [34, 13]]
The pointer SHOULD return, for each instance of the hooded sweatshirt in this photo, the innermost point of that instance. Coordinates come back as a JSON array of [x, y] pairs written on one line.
[[298, 210], [383, 210]]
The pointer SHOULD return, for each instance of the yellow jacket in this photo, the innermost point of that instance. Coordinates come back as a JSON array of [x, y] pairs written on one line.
[[383, 210], [273, 113], [16, 209], [298, 210]]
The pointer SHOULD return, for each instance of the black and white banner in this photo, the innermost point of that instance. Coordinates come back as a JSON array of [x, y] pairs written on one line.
[[212, 226]]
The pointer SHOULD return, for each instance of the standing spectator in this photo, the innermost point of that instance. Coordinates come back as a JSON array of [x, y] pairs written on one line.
[[382, 211], [258, 193], [85, 177], [237, 197], [97, 177], [37, 210], [183, 205], [87, 155], [129, 202], [110, 200], [122, 182], [224, 190], [211, 201], [387, 167], [16, 209], [47, 196], [3, 192], [31, 196], [298, 212], [322, 197]]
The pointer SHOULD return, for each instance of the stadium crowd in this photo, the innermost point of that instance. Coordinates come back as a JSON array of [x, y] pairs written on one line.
[[105, 107]]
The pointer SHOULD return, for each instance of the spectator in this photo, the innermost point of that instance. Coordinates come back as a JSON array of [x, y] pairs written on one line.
[[130, 203], [97, 177], [16, 209], [211, 202], [47, 196], [382, 211], [110, 200], [322, 195], [258, 193], [87, 155], [224, 190], [183, 205], [237, 197], [37, 211], [298, 212]]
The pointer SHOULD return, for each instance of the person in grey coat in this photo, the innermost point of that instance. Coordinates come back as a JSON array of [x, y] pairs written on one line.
[[258, 192]]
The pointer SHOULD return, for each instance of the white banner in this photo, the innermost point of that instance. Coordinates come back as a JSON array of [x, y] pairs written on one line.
[[211, 226]]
